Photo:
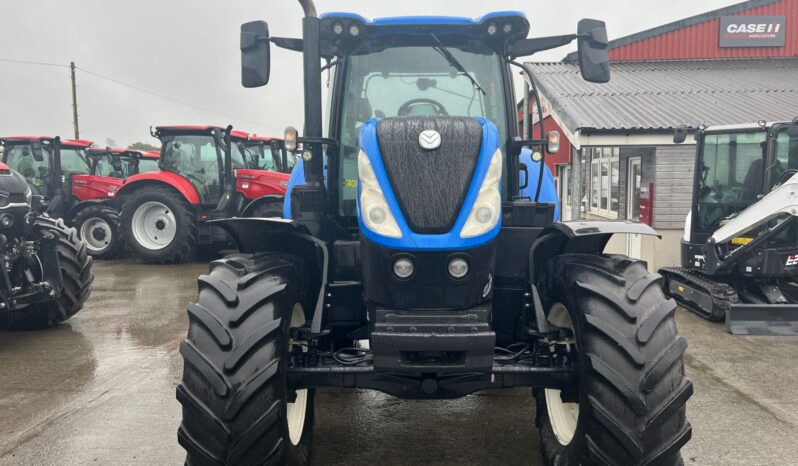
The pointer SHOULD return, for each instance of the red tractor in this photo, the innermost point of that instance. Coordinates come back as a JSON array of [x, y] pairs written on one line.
[[206, 172], [61, 172]]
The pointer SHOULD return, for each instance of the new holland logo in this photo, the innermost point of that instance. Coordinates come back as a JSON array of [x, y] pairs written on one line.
[[429, 139]]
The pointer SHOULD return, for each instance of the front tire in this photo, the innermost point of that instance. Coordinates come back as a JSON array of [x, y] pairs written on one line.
[[159, 226], [76, 278], [237, 407], [633, 390], [268, 209], [98, 228]]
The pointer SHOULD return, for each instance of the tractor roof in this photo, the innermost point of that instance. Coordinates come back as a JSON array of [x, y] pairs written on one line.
[[412, 24], [263, 138], [763, 125], [200, 129], [78, 143], [134, 152]]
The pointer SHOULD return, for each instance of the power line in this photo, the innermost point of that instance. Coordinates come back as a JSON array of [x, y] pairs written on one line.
[[141, 89], [28, 62], [188, 104]]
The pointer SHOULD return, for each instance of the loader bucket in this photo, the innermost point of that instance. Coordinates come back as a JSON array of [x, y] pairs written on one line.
[[762, 319]]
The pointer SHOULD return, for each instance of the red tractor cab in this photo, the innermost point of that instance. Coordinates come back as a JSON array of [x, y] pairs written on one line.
[[122, 163], [204, 175], [269, 154], [61, 172], [263, 183]]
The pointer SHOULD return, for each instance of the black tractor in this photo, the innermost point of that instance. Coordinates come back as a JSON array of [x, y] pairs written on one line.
[[46, 268], [416, 240]]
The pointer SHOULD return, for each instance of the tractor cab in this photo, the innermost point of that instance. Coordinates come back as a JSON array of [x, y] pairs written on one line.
[[49, 165], [269, 154], [736, 166], [122, 163], [200, 154]]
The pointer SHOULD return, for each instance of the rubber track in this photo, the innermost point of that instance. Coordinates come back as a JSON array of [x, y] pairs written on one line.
[[723, 295]]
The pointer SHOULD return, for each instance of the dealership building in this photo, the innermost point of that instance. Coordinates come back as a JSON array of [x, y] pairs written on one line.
[[738, 64]]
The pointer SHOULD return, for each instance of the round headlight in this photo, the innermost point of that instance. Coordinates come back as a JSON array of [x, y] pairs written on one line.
[[338, 29], [354, 30], [507, 28], [492, 29], [377, 215], [7, 220], [484, 214], [403, 268], [458, 267]]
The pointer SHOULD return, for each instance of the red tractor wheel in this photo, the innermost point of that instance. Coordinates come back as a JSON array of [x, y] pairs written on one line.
[[159, 226]]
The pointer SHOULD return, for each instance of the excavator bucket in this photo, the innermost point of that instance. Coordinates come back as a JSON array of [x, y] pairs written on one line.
[[763, 319]]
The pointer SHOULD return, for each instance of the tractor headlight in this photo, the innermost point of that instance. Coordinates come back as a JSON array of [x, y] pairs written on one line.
[[487, 208], [374, 209]]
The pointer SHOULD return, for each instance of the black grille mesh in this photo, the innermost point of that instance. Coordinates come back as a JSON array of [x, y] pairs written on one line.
[[430, 185]]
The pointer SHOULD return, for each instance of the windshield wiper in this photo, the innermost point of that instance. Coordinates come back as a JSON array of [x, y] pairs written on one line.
[[441, 49]]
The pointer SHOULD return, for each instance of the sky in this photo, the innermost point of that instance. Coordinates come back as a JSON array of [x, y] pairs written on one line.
[[186, 52]]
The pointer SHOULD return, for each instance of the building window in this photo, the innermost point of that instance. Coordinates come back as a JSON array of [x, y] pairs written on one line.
[[605, 176]]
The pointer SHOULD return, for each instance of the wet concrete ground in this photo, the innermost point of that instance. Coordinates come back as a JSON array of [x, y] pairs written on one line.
[[100, 390]]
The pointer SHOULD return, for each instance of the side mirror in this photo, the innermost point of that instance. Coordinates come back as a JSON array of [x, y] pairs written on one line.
[[680, 135], [37, 150], [116, 162], [290, 139], [255, 54], [594, 60]]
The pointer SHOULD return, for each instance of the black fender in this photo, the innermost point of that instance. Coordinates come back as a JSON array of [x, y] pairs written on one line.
[[82, 205], [255, 203], [287, 237], [579, 237]]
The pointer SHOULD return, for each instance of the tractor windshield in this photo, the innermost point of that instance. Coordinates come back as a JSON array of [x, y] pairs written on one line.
[[411, 81], [74, 161], [148, 165], [197, 158], [105, 167], [732, 175], [20, 157]]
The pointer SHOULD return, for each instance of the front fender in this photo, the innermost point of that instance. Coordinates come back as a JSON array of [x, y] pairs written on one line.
[[180, 184], [285, 236], [579, 237]]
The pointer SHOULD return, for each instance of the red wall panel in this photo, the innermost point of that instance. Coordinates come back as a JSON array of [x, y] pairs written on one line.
[[700, 41]]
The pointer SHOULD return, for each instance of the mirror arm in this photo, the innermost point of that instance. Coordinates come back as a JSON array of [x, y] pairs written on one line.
[[297, 45], [526, 47]]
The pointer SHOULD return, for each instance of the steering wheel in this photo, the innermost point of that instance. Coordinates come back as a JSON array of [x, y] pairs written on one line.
[[786, 175], [407, 107]]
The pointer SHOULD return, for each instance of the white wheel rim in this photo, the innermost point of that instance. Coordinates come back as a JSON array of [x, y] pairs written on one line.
[[295, 412], [562, 416], [97, 234], [154, 225]]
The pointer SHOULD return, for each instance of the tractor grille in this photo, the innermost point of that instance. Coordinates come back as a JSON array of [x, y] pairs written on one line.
[[430, 185]]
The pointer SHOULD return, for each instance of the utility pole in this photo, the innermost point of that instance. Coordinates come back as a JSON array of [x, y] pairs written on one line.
[[74, 101]]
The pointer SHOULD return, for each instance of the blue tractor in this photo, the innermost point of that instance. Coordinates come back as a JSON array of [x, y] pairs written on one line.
[[420, 258]]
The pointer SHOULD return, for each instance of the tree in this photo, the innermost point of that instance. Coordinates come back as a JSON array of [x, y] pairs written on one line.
[[143, 146]]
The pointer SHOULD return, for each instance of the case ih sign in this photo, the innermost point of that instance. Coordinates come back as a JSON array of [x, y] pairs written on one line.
[[752, 31]]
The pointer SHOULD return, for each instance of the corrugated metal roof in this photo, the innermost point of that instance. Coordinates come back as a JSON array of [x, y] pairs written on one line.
[[664, 95]]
